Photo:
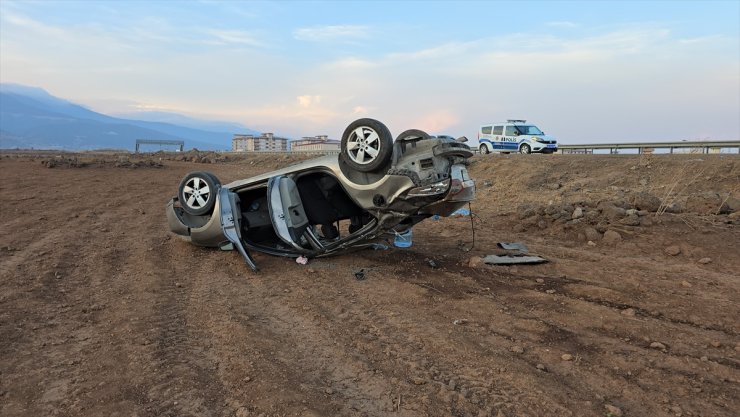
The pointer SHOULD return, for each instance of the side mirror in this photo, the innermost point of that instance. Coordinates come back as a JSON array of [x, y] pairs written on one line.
[[462, 139]]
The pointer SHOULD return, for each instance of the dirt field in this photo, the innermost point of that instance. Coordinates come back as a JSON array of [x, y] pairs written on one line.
[[104, 313]]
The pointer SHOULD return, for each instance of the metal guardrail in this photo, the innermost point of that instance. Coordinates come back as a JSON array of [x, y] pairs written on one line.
[[643, 147]]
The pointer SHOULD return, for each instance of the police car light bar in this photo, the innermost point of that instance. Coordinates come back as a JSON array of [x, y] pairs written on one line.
[[516, 121]]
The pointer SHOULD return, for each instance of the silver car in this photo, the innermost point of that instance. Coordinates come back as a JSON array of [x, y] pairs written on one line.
[[374, 188]]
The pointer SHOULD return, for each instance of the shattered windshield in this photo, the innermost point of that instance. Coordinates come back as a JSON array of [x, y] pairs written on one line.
[[529, 130]]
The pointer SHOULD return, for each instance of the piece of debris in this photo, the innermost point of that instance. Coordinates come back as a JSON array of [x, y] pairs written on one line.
[[359, 274], [566, 357], [517, 349], [705, 261], [613, 411], [460, 322], [518, 246], [539, 281], [460, 212], [716, 343], [541, 367], [379, 246], [686, 284], [512, 260], [591, 243], [301, 260], [551, 291], [432, 264]]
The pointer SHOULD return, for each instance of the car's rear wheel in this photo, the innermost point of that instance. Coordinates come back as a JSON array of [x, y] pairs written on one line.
[[525, 149], [412, 134], [197, 193], [484, 149], [367, 145]]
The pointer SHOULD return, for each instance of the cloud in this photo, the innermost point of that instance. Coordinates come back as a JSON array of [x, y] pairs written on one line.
[[331, 33], [238, 37], [562, 24], [308, 101]]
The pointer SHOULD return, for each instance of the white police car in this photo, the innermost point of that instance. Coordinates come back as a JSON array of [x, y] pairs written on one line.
[[514, 136]]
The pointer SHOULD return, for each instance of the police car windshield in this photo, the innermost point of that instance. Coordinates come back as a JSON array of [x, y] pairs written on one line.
[[529, 130]]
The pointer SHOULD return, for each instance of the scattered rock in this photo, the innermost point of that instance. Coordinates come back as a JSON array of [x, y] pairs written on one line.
[[611, 211], [517, 349], [645, 201], [541, 367], [550, 291], [566, 357], [672, 250], [704, 261], [631, 220], [539, 281], [592, 234], [686, 284], [577, 213], [716, 343], [612, 237], [613, 411], [708, 202], [629, 312], [329, 391], [591, 243], [657, 345], [460, 322], [178, 285]]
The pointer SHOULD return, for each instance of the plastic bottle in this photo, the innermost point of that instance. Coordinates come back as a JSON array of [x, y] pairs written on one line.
[[404, 240]]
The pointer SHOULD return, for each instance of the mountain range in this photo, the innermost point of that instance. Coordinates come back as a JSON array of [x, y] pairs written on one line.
[[30, 117]]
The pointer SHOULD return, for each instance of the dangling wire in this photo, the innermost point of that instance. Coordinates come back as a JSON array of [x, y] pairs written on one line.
[[472, 226]]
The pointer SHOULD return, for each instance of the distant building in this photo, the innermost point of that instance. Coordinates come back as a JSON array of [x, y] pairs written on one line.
[[266, 142], [315, 143]]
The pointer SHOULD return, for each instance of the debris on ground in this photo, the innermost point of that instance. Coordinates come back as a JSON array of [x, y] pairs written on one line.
[[517, 246], [512, 260], [301, 260], [359, 274]]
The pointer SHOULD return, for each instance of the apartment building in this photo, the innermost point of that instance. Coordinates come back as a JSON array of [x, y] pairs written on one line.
[[266, 142], [315, 143]]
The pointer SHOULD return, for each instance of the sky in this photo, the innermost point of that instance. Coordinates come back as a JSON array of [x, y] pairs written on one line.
[[583, 71]]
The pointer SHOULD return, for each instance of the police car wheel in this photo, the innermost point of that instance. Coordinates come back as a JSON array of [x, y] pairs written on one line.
[[484, 149], [525, 149]]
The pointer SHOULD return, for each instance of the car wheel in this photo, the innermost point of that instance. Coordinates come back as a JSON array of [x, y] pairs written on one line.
[[484, 149], [412, 134], [525, 149], [367, 145], [197, 193]]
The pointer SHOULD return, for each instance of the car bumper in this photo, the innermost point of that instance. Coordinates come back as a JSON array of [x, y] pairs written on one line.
[[200, 230]]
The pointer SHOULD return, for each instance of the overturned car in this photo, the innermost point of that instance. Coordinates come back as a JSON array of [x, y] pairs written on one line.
[[374, 188]]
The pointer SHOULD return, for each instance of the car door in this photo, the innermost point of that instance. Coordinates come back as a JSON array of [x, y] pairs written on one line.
[[496, 137], [286, 211], [511, 138]]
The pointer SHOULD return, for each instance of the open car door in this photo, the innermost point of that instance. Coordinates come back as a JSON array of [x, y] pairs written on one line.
[[287, 213], [230, 223]]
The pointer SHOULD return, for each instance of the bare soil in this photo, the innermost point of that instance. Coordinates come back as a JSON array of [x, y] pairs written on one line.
[[104, 313]]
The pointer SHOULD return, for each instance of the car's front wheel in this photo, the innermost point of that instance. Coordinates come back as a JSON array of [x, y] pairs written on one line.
[[367, 145], [484, 149], [198, 192], [525, 149]]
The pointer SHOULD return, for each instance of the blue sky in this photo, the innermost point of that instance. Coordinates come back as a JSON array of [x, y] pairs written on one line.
[[583, 71]]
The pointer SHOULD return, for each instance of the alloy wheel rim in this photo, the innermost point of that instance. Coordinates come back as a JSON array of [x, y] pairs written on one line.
[[196, 192], [363, 145]]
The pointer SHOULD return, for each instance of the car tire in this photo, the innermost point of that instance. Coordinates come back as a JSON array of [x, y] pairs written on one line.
[[484, 149], [412, 134], [525, 149], [367, 145], [198, 192]]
